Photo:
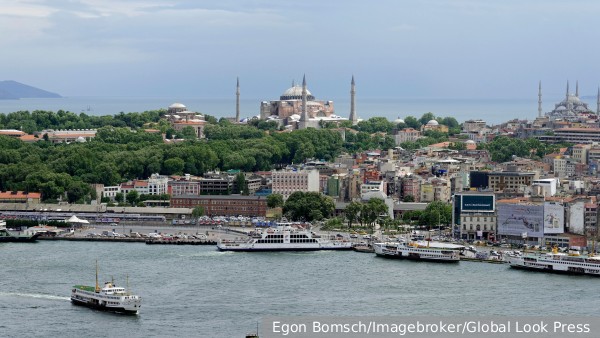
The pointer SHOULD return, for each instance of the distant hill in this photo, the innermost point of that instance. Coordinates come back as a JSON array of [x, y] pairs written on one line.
[[15, 90]]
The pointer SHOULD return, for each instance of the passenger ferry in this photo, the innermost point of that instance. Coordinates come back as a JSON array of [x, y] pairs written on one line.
[[284, 237], [108, 298], [7, 235], [419, 251], [556, 262]]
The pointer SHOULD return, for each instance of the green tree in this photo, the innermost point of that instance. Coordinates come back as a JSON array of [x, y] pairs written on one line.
[[188, 133], [374, 209], [77, 190], [412, 122], [275, 201], [352, 212], [241, 184], [132, 197], [426, 118], [198, 211], [408, 198], [308, 206], [173, 166], [436, 214]]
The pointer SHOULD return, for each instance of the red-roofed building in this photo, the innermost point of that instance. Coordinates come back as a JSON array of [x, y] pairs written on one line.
[[12, 132], [19, 197]]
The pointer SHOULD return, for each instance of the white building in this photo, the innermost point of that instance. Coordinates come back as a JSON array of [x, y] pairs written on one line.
[[407, 135], [111, 192], [286, 182], [158, 184], [371, 186], [548, 186]]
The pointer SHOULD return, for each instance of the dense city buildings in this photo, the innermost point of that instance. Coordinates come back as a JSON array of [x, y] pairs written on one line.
[[545, 195]]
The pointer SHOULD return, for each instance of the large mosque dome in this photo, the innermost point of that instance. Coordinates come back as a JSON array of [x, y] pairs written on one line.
[[569, 108], [295, 93], [432, 123]]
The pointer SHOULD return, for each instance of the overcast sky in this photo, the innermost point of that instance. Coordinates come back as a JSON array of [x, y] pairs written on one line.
[[394, 48]]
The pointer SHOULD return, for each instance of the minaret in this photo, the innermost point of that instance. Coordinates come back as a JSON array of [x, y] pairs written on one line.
[[304, 116], [237, 101], [598, 102], [567, 96], [577, 88], [540, 100], [352, 106]]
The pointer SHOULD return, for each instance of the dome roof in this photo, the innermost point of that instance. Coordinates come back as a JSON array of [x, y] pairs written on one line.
[[398, 120], [470, 142], [432, 123], [177, 105], [80, 139], [295, 91], [574, 99]]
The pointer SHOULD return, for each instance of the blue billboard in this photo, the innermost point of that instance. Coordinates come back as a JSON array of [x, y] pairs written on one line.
[[480, 203]]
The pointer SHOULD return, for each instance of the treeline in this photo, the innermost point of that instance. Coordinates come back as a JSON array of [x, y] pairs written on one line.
[[42, 119], [502, 148], [123, 151]]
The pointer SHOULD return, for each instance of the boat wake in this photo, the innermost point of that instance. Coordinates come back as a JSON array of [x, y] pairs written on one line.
[[33, 295]]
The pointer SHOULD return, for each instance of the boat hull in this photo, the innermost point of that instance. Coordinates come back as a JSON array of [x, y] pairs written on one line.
[[18, 239], [267, 249], [401, 251], [553, 267], [94, 306], [418, 258]]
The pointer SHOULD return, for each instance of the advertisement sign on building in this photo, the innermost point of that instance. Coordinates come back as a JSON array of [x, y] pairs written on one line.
[[516, 219], [480, 203], [554, 218]]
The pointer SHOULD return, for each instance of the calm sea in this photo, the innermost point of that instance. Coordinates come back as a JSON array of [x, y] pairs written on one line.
[[196, 291], [491, 110]]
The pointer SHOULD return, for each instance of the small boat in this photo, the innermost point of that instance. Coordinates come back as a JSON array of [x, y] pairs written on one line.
[[108, 298]]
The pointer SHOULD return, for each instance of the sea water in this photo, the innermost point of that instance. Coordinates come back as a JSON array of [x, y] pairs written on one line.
[[490, 110], [197, 291]]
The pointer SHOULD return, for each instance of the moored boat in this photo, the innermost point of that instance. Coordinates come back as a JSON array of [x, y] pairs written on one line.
[[556, 262], [284, 237], [108, 298], [434, 252], [7, 235]]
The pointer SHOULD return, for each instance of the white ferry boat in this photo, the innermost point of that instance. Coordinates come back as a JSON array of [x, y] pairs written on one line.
[[556, 262], [420, 251], [108, 298], [284, 237]]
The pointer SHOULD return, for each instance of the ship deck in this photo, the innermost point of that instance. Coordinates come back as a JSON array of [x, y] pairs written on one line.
[[85, 288]]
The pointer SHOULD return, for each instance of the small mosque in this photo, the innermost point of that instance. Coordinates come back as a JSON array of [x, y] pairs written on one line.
[[180, 117], [568, 109], [297, 108]]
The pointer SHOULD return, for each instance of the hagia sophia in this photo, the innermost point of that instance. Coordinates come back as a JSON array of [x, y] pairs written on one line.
[[297, 108]]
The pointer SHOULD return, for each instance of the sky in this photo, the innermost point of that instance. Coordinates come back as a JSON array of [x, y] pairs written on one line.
[[394, 48]]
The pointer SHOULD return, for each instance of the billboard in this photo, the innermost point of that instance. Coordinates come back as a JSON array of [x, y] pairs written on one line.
[[554, 218], [475, 202], [576, 218], [518, 219]]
